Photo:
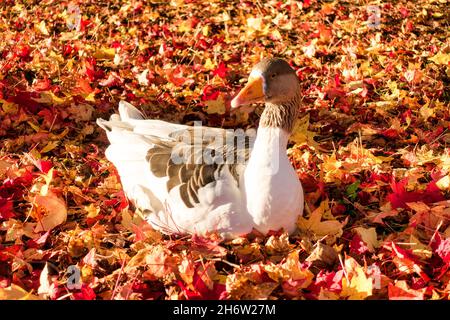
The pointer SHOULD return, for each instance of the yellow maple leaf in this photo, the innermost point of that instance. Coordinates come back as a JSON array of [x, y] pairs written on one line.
[[9, 107], [14, 292], [209, 65], [42, 28], [356, 285], [49, 146], [290, 269], [92, 210], [441, 58], [318, 227], [50, 98], [300, 133], [216, 106], [332, 168], [105, 53], [255, 24]]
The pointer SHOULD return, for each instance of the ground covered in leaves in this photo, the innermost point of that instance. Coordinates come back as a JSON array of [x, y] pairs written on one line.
[[371, 149]]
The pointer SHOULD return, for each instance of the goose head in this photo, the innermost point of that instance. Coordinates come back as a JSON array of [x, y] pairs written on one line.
[[271, 81]]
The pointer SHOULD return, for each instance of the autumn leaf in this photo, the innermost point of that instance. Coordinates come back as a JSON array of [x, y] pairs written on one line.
[[292, 275], [300, 133], [401, 291], [50, 98], [320, 228], [105, 53], [15, 292], [53, 211], [216, 106], [356, 285], [441, 58], [370, 148], [369, 236]]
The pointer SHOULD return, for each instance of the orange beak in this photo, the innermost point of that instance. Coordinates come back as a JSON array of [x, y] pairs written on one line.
[[253, 92]]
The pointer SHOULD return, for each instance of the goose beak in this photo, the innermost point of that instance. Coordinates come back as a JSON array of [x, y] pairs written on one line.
[[253, 92]]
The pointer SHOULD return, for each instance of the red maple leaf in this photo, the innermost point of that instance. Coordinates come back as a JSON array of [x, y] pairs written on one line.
[[331, 281], [400, 197], [221, 70], [209, 93], [396, 293], [408, 260], [202, 292], [44, 165], [85, 293], [6, 209], [357, 245]]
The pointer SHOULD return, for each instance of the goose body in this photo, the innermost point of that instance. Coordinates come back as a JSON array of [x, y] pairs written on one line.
[[202, 180]]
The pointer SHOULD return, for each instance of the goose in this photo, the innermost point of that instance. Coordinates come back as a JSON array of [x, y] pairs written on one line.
[[204, 180]]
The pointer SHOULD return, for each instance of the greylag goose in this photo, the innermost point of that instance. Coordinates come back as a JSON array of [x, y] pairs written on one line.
[[201, 180]]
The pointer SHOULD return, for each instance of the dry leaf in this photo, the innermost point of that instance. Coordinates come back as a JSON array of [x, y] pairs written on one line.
[[54, 211]]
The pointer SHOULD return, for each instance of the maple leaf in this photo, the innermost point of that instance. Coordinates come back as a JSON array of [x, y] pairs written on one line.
[[300, 133], [290, 270], [418, 248], [441, 58], [221, 70], [401, 291], [328, 282], [400, 197], [357, 245], [320, 228], [55, 211], [278, 245], [85, 293], [358, 285], [442, 249], [46, 289], [113, 80], [248, 252], [158, 260], [407, 262], [15, 292], [204, 287], [6, 209], [207, 246], [369, 236], [105, 53], [444, 183], [216, 106], [48, 97]]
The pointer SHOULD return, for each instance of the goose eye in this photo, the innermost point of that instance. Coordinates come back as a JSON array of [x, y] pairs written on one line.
[[273, 75]]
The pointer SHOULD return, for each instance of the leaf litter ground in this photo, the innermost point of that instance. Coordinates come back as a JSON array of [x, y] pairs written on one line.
[[371, 149]]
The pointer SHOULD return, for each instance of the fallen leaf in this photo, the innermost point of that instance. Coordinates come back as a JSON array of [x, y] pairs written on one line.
[[318, 227], [358, 285], [401, 291], [369, 236], [15, 292], [54, 211]]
